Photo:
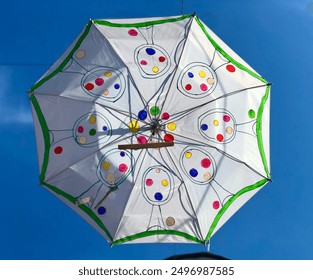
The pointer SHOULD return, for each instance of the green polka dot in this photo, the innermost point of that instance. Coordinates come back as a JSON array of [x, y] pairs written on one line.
[[251, 114], [92, 132], [154, 110]]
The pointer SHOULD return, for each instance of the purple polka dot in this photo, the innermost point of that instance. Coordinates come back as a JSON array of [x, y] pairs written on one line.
[[99, 82]]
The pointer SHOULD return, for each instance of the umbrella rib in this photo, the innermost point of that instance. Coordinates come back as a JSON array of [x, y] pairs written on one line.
[[134, 180], [180, 115], [92, 102], [187, 192], [187, 31], [218, 150], [131, 79], [93, 152]]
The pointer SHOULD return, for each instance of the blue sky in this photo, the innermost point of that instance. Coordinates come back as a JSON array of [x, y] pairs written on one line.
[[274, 36]]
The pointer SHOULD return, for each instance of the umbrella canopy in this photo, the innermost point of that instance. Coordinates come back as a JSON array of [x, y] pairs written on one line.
[[152, 129]]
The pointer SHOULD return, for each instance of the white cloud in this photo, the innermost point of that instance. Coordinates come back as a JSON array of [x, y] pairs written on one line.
[[13, 108]]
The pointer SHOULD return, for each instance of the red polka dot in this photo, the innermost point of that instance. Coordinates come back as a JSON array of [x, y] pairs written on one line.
[[206, 163], [143, 62], [89, 86], [168, 138], [165, 116], [216, 204], [58, 150], [231, 68], [132, 32], [226, 118], [188, 87], [141, 140], [123, 167], [162, 58], [203, 87], [80, 129], [149, 182], [219, 137]]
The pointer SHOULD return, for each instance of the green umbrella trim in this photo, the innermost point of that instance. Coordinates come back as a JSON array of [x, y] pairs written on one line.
[[65, 61], [156, 232], [230, 201], [227, 56], [84, 208], [141, 24], [46, 137]]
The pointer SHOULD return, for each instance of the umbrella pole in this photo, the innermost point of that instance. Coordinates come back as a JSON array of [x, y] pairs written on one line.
[[208, 246]]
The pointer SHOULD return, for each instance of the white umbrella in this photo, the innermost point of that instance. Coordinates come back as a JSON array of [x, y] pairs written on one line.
[[152, 129]]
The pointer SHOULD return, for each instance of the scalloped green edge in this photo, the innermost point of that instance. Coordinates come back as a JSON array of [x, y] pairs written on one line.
[[65, 61]]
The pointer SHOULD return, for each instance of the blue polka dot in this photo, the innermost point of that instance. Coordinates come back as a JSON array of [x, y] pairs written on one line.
[[158, 196], [104, 128], [150, 51], [190, 75], [122, 154], [101, 210], [193, 172], [204, 126], [142, 115], [116, 86]]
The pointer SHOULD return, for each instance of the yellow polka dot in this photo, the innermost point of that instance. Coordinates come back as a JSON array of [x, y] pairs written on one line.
[[202, 74], [106, 165], [92, 119], [108, 74], [164, 183], [155, 69], [215, 122], [188, 155], [80, 54], [171, 126], [134, 126]]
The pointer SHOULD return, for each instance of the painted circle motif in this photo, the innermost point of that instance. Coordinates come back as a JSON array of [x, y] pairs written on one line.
[[198, 165], [92, 129], [114, 167], [197, 80], [105, 83], [152, 60], [218, 126], [157, 185]]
